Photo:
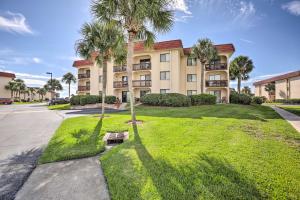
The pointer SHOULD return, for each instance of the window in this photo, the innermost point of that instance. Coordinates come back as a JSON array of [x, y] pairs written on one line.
[[165, 75], [165, 57], [191, 92], [164, 91], [100, 79], [215, 77], [191, 78], [145, 77], [191, 61]]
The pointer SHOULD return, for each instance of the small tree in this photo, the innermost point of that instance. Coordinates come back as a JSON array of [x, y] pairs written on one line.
[[11, 87], [69, 78], [270, 88], [42, 92], [32, 92], [246, 90], [53, 86]]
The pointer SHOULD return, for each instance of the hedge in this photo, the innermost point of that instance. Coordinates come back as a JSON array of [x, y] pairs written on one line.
[[288, 101], [237, 98], [169, 99], [203, 99], [258, 100], [91, 99]]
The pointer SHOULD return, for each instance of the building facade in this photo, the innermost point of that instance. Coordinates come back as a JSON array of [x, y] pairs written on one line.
[[287, 86], [4, 79], [165, 68]]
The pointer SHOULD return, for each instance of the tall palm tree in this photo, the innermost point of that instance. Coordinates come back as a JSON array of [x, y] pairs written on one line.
[[11, 87], [53, 86], [239, 69], [135, 17], [32, 92], [18, 87], [69, 78], [24, 90], [42, 92], [101, 41], [205, 51]]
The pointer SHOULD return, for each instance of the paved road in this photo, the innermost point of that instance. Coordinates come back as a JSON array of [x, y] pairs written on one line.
[[24, 131]]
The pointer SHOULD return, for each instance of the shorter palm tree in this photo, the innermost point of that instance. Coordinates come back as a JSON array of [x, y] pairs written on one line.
[[53, 86], [32, 92], [69, 78], [270, 88], [11, 87], [42, 92], [246, 90], [205, 51], [239, 69]]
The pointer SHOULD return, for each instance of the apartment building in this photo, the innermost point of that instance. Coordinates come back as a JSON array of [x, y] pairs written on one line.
[[287, 86], [4, 79], [165, 68]]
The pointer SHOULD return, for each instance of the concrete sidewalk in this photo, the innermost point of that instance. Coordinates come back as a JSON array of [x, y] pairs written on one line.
[[293, 119], [75, 179]]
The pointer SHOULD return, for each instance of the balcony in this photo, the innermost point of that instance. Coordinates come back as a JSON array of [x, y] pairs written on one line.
[[216, 66], [82, 76], [120, 84], [83, 88], [141, 83], [142, 66], [218, 83], [119, 69]]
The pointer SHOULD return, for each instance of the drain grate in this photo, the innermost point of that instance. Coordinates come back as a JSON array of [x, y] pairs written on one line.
[[115, 138]]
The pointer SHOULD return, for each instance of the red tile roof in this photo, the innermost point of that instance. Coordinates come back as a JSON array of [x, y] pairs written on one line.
[[170, 44], [277, 78], [8, 75], [221, 48], [79, 63]]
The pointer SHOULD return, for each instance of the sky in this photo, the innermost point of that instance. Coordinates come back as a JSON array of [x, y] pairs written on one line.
[[39, 36]]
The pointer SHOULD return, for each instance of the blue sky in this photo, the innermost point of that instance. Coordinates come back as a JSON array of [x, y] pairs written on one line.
[[38, 36]]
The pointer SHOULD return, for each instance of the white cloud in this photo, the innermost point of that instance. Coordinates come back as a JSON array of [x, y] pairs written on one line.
[[292, 7], [71, 58], [181, 5], [183, 18], [247, 41], [10, 57], [14, 22], [36, 60]]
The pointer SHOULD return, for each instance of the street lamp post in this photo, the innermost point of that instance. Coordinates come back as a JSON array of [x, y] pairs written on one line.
[[51, 84]]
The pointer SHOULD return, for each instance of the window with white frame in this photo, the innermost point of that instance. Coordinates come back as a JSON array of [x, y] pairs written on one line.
[[145, 77], [191, 92], [191, 78], [165, 75], [191, 61], [164, 91], [215, 77], [165, 57]]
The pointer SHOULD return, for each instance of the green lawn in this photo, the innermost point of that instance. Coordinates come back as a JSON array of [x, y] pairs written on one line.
[[205, 152], [60, 107], [293, 109]]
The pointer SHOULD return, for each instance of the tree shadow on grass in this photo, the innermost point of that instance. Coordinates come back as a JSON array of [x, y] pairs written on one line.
[[208, 177], [15, 170]]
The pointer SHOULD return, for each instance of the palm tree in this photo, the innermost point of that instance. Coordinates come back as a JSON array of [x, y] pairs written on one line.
[[205, 51], [11, 87], [102, 41], [239, 69], [246, 90], [135, 18], [42, 92], [69, 78], [24, 90], [53, 86], [32, 91], [270, 88], [18, 87]]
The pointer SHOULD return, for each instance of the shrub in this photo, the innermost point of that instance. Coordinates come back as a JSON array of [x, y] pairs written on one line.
[[109, 99], [203, 99], [237, 98], [75, 100], [89, 99], [151, 99], [288, 101], [257, 100], [170, 99]]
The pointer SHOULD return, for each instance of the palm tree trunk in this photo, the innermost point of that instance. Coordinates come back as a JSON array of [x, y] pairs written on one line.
[[202, 77], [11, 94], [69, 90], [129, 75], [239, 85], [104, 77]]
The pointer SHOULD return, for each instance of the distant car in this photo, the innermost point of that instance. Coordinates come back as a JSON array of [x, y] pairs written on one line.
[[58, 101], [5, 101]]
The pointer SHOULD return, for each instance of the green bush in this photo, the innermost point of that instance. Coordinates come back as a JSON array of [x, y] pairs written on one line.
[[89, 99], [203, 99], [288, 101], [170, 99], [237, 98], [257, 100], [75, 100], [109, 99]]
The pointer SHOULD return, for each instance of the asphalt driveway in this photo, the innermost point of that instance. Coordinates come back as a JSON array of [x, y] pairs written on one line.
[[24, 132]]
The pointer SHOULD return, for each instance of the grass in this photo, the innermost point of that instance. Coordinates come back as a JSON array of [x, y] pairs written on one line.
[[60, 107], [292, 108], [205, 152]]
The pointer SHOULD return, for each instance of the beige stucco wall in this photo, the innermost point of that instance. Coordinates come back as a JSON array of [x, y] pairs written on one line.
[[178, 75], [3, 92], [295, 87], [260, 91], [281, 89]]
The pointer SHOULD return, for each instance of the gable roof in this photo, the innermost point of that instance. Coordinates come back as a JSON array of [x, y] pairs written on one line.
[[78, 63], [221, 48], [277, 78], [8, 75], [170, 44]]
